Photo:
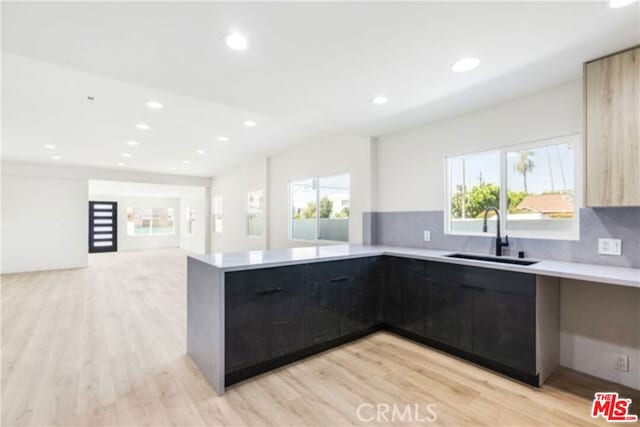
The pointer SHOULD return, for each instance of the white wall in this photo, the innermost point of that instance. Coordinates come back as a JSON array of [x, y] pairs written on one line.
[[233, 188], [195, 242], [59, 239], [410, 164], [134, 243], [344, 154], [44, 223], [597, 323]]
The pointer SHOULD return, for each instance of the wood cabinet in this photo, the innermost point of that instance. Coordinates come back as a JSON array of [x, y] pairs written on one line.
[[264, 312], [406, 295], [504, 329], [450, 307], [340, 301], [274, 316], [612, 127]]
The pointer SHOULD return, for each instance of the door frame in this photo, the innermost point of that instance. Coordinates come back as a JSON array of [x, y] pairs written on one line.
[[114, 227]]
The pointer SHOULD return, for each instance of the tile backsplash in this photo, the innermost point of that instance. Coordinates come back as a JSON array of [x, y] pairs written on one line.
[[406, 229]]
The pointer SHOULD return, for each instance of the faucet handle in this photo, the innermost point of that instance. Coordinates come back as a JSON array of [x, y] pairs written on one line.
[[506, 241]]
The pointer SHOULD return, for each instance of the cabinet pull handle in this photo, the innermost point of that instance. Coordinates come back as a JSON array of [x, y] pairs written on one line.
[[477, 288], [338, 279], [269, 291]]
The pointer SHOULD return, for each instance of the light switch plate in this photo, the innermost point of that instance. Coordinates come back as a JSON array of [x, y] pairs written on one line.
[[610, 247], [427, 235]]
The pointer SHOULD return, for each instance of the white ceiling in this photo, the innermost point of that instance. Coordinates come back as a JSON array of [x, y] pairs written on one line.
[[310, 71]]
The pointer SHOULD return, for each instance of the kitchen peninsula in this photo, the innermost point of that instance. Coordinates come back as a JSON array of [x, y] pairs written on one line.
[[251, 312]]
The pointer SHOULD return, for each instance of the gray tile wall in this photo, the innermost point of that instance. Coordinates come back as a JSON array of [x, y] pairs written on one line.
[[406, 229]]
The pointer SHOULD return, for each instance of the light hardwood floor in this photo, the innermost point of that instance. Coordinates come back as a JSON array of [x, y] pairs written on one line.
[[106, 345]]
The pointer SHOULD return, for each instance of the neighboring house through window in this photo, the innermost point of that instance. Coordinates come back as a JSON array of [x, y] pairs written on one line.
[[534, 186]]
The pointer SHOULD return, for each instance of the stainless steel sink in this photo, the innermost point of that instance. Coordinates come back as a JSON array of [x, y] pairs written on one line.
[[502, 260]]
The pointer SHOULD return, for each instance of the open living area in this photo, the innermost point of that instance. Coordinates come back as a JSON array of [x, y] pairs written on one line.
[[320, 213]]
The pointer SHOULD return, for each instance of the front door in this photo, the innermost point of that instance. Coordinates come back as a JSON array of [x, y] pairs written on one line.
[[103, 227]]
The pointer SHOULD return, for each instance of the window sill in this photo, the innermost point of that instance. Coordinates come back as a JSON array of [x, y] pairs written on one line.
[[325, 242]]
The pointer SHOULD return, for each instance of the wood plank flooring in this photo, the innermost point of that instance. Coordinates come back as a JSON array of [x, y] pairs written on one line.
[[106, 345]]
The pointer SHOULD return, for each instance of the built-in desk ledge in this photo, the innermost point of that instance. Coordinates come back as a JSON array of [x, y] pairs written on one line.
[[623, 276]]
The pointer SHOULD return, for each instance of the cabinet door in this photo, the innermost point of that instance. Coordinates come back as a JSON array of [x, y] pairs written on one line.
[[359, 298], [406, 294], [341, 302], [504, 329], [450, 314], [265, 315], [246, 332], [375, 289], [612, 85]]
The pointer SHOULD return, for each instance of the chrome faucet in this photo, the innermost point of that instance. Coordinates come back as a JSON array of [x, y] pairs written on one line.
[[499, 243]]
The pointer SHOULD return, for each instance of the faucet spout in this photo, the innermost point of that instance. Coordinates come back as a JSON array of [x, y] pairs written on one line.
[[499, 243]]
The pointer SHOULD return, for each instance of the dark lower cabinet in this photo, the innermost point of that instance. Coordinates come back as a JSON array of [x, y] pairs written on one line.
[[450, 318], [504, 329], [341, 299], [406, 297], [375, 288], [276, 315], [264, 315]]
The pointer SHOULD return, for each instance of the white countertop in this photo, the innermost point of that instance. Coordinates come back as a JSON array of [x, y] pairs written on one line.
[[623, 276]]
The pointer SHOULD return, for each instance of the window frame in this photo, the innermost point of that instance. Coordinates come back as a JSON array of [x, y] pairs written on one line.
[[576, 143], [190, 220], [316, 178], [217, 213], [248, 213]]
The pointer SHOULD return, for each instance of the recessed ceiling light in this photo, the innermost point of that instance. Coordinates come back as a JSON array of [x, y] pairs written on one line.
[[249, 123], [380, 100], [186, 162], [127, 155], [120, 164], [615, 4], [236, 41], [55, 157], [200, 151], [465, 64], [223, 138], [154, 105], [50, 147], [133, 143], [142, 126], [172, 169]]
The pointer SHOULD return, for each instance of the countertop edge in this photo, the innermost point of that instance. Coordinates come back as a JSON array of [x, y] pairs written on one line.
[[559, 269]]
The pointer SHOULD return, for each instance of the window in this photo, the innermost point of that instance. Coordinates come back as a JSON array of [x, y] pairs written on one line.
[[533, 186], [217, 214], [150, 221], [320, 208], [254, 213], [189, 214]]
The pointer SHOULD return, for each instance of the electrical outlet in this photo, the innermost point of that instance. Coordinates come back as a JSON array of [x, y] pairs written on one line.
[[622, 363], [427, 235], [610, 247]]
